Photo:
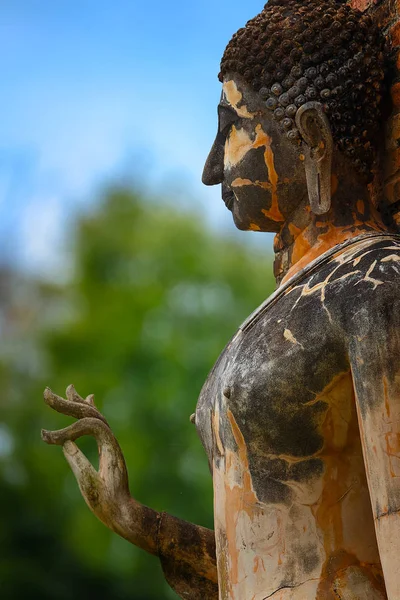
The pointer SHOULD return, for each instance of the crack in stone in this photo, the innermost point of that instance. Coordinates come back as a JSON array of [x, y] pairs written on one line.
[[387, 514], [289, 587]]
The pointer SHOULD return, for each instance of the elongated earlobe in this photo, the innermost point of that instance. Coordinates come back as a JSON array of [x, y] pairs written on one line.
[[317, 147]]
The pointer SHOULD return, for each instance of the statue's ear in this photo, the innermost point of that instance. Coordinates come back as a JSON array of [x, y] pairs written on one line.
[[317, 145]]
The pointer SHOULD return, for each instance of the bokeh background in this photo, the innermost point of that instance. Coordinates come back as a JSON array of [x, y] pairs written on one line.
[[119, 272]]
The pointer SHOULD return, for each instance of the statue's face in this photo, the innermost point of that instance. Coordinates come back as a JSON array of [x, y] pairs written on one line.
[[260, 169]]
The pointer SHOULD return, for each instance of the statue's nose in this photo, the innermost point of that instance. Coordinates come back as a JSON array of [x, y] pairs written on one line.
[[213, 172]]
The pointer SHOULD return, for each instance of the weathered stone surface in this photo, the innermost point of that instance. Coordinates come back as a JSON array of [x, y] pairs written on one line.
[[292, 504], [300, 417]]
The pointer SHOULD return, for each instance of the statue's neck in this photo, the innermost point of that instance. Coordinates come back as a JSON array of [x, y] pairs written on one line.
[[306, 236]]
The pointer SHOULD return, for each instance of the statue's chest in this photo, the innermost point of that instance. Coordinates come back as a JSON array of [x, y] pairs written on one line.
[[265, 386]]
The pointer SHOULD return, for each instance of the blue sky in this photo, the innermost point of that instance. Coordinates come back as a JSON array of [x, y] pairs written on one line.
[[93, 90]]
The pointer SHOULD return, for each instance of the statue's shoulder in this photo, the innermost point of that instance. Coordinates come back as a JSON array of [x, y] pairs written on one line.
[[344, 277], [366, 265], [363, 293]]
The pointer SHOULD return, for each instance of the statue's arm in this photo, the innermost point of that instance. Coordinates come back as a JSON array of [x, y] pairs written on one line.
[[375, 363], [186, 551]]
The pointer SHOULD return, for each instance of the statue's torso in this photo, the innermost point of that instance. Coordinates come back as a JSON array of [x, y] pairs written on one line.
[[278, 420]]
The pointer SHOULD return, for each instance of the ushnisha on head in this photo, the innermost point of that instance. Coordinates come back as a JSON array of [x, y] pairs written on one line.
[[314, 68]]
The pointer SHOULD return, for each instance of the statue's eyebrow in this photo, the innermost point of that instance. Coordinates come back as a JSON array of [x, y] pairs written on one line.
[[226, 116], [226, 107]]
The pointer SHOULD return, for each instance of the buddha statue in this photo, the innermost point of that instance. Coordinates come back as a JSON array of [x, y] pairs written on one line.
[[300, 416]]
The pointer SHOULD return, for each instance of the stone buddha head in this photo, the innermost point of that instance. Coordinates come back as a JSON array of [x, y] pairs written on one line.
[[300, 111]]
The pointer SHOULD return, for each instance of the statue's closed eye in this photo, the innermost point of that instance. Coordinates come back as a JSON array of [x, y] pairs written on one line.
[[226, 118]]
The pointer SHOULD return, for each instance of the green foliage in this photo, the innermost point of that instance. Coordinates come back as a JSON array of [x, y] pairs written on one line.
[[154, 298]]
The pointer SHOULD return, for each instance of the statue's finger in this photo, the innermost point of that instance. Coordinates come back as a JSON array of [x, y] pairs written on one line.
[[112, 467], [52, 437], [78, 462], [73, 396], [86, 426], [73, 409], [57, 438], [90, 400], [85, 474]]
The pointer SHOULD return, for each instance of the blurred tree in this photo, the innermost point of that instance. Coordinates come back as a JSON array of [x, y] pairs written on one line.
[[153, 299]]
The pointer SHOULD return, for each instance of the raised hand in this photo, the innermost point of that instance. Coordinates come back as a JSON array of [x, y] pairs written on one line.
[[186, 551], [105, 491]]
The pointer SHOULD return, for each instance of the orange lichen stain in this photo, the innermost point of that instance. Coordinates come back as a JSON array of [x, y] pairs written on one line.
[[254, 227], [249, 497], [361, 5], [215, 420], [235, 97], [239, 495], [264, 140], [237, 146], [393, 452], [239, 182], [360, 206], [301, 247], [294, 231], [343, 465], [341, 512], [308, 250], [264, 184], [302, 157], [392, 439], [258, 562]]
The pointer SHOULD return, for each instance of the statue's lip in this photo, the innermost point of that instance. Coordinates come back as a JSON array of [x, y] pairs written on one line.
[[228, 197]]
